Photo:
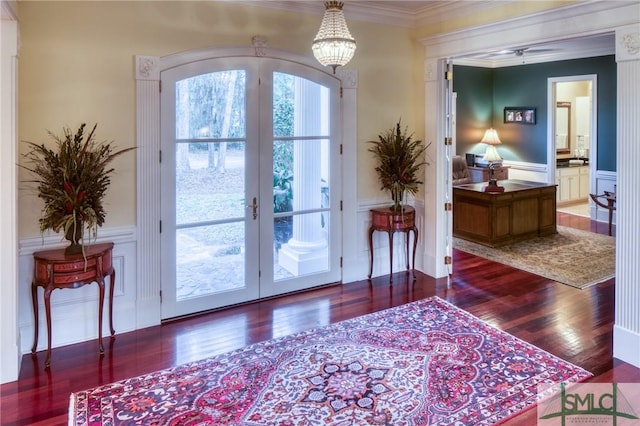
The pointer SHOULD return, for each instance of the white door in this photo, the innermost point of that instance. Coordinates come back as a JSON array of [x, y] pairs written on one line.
[[250, 182]]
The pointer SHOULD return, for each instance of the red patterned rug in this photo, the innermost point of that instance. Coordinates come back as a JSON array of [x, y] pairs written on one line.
[[423, 363]]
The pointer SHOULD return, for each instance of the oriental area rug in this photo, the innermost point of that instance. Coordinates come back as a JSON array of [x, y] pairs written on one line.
[[423, 363], [573, 257]]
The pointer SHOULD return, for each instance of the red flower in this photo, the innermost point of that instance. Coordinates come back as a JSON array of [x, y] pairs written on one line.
[[67, 188], [68, 207], [80, 196]]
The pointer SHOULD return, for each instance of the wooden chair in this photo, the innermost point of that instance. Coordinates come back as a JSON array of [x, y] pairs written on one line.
[[460, 171], [610, 198]]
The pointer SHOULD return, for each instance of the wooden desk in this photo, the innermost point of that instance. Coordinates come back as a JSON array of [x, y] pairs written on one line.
[[481, 174], [390, 221], [524, 210], [53, 269]]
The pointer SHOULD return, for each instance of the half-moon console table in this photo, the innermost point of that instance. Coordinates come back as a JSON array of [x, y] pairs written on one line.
[[53, 269], [392, 221]]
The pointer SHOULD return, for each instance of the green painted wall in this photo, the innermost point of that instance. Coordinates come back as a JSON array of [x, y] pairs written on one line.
[[482, 89]]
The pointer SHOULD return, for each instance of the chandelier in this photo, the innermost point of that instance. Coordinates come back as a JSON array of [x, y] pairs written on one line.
[[333, 46]]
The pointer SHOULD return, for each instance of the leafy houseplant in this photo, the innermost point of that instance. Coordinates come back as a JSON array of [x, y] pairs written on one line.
[[72, 180], [400, 158]]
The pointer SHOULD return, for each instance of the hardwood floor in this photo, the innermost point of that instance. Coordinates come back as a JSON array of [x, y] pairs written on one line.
[[573, 324]]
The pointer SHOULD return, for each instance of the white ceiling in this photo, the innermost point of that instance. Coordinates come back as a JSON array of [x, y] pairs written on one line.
[[412, 14]]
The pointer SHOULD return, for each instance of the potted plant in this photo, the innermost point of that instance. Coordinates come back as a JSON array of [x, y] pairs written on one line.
[[72, 180], [399, 158]]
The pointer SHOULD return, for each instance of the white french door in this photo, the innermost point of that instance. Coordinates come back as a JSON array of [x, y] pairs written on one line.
[[250, 182]]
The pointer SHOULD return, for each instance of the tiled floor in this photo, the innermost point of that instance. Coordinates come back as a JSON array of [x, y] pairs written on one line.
[[577, 209]]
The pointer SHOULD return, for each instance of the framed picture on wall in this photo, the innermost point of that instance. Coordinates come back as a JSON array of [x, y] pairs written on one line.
[[521, 115]]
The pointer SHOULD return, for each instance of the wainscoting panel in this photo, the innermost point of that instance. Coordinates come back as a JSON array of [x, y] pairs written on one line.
[[74, 312], [533, 172]]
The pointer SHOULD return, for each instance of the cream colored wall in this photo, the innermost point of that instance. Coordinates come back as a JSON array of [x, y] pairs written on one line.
[[76, 65], [501, 12]]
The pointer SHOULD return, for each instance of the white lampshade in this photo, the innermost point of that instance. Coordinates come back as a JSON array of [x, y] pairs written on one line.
[[491, 154], [333, 46], [491, 139]]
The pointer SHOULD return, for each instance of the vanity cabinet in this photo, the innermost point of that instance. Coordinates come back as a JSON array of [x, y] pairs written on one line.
[[573, 183], [584, 182]]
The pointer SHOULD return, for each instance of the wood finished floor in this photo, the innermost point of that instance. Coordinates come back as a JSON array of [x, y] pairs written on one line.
[[573, 324]]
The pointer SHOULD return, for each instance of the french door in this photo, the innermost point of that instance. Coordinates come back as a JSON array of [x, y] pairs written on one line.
[[250, 182]]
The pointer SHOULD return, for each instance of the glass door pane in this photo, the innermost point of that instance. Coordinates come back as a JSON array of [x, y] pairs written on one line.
[[208, 221], [305, 147], [210, 231]]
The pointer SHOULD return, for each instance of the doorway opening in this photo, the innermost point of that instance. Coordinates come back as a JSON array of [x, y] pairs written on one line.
[[572, 140]]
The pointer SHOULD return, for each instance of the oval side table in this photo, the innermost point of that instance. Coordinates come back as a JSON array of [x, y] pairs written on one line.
[[54, 269], [391, 221]]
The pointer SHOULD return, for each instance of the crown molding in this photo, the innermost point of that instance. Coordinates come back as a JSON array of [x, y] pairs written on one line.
[[9, 9], [578, 51], [556, 26], [385, 12]]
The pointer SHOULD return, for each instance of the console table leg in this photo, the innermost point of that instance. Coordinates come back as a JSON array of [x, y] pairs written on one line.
[[100, 309], [406, 237], [415, 245], [390, 254], [370, 251], [47, 309], [112, 282], [34, 302]]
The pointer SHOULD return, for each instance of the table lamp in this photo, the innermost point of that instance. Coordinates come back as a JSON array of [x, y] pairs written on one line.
[[491, 156]]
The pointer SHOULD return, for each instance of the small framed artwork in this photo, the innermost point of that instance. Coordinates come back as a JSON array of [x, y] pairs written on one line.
[[522, 115]]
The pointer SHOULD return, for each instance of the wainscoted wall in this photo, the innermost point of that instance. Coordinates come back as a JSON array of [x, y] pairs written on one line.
[[74, 312]]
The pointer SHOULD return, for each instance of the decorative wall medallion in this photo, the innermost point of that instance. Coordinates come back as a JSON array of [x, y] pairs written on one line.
[[631, 42], [147, 68], [430, 67], [349, 78], [260, 44]]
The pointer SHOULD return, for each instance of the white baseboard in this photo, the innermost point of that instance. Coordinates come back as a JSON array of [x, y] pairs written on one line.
[[626, 345]]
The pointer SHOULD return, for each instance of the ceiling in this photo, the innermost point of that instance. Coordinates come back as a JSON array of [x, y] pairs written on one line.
[[412, 14]]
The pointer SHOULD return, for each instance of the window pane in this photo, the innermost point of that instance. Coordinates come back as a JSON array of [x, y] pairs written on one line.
[[210, 181], [300, 106], [211, 106], [209, 259], [294, 257]]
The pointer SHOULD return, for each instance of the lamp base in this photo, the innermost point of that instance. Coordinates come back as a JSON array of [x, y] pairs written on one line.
[[493, 187]]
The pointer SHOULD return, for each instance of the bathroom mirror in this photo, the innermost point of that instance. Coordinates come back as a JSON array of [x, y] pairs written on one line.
[[563, 127]]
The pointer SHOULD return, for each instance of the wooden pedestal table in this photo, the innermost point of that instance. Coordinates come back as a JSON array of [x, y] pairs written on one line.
[[53, 269], [392, 221]]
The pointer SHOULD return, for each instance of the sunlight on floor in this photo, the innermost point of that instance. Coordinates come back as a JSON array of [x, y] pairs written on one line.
[[577, 209]]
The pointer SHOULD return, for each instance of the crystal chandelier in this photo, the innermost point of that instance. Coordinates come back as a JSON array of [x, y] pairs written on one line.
[[333, 46]]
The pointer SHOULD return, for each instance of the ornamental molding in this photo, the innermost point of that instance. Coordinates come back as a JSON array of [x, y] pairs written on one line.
[[349, 78], [430, 70], [147, 67], [260, 45], [628, 44]]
